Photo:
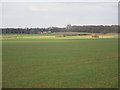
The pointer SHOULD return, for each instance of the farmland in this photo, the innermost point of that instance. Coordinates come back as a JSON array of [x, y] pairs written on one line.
[[65, 62], [54, 36]]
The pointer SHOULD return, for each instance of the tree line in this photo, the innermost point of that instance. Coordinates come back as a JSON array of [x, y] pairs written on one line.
[[68, 28]]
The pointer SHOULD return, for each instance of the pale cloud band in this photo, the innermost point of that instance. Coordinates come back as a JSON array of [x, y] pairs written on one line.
[[59, 0]]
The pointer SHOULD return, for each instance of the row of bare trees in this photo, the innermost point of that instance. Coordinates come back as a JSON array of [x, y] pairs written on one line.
[[88, 29]]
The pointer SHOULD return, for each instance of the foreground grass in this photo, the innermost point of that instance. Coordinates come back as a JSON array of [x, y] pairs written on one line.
[[39, 63]]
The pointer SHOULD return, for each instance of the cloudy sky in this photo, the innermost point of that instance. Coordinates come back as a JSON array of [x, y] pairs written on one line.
[[47, 14]]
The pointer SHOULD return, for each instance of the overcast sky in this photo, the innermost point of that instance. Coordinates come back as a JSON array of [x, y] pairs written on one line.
[[47, 14]]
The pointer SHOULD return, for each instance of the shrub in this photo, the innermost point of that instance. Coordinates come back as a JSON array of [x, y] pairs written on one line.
[[60, 35]]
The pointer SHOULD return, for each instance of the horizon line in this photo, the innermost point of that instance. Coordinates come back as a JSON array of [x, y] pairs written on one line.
[[66, 26]]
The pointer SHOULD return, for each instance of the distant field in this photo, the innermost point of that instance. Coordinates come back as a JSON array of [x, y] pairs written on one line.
[[54, 36], [67, 63]]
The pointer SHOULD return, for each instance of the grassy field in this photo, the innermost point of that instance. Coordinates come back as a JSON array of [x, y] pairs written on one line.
[[63, 63]]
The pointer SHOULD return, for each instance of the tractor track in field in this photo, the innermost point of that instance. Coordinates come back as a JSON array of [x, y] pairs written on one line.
[[73, 61], [95, 61]]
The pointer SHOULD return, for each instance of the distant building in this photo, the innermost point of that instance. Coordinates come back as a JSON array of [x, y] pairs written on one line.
[[44, 32]]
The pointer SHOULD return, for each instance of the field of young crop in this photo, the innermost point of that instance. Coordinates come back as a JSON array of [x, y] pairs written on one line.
[[60, 63], [55, 36]]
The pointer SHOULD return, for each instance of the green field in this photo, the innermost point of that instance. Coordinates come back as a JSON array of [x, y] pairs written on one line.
[[60, 63]]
